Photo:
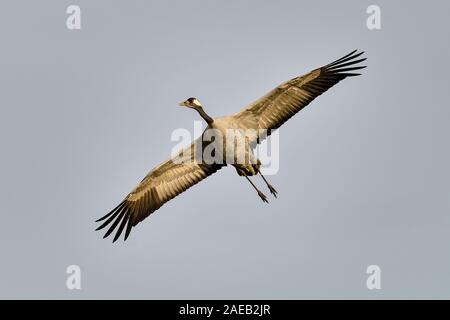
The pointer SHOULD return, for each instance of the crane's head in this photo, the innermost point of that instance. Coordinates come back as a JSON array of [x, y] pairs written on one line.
[[191, 103]]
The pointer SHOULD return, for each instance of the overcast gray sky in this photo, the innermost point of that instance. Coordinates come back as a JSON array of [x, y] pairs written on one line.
[[364, 176]]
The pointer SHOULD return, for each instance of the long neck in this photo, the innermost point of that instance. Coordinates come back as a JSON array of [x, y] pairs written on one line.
[[202, 112]]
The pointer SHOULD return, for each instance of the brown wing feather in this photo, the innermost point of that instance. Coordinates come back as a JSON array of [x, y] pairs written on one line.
[[280, 104], [163, 183]]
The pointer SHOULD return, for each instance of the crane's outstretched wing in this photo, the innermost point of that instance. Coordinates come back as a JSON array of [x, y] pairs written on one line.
[[163, 183], [280, 104]]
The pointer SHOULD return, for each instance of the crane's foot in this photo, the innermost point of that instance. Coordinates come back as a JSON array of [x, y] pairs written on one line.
[[272, 190], [263, 196]]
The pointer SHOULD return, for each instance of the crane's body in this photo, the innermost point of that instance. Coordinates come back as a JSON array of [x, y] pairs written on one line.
[[235, 140], [246, 128]]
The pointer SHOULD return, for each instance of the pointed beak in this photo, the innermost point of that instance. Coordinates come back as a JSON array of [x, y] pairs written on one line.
[[182, 104]]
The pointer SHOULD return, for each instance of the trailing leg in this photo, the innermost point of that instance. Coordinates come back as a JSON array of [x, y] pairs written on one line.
[[271, 188], [260, 194]]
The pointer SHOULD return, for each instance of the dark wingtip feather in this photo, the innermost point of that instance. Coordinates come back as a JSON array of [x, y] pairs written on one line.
[[341, 59], [111, 218], [111, 212], [122, 225], [116, 222], [128, 230], [349, 69], [351, 56], [120, 216], [342, 66]]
